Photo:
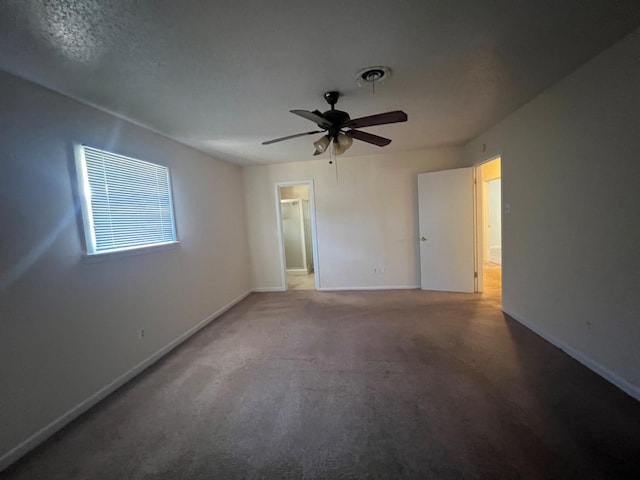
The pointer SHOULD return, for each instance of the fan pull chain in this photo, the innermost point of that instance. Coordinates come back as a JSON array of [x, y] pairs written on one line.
[[333, 159]]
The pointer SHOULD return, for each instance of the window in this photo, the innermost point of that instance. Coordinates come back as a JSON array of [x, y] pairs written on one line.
[[126, 203]]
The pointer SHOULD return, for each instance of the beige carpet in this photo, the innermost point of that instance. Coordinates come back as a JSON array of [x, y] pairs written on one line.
[[352, 385]]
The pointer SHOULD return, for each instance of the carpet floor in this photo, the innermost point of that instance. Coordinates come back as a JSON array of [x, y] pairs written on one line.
[[350, 385]]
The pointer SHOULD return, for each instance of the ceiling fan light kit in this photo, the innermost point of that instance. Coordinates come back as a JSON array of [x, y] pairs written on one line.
[[345, 141], [321, 144], [341, 129]]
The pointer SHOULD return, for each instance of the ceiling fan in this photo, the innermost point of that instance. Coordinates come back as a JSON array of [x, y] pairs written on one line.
[[340, 128]]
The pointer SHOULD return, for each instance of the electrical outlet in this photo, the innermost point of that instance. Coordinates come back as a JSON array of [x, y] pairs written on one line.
[[375, 269], [141, 334]]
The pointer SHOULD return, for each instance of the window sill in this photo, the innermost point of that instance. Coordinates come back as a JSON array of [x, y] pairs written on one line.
[[101, 257]]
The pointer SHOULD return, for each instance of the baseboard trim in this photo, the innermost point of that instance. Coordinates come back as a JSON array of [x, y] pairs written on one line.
[[376, 287], [40, 436], [604, 372], [268, 289]]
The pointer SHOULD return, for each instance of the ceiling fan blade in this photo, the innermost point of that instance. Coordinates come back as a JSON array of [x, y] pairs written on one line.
[[314, 117], [368, 137], [380, 119], [269, 142]]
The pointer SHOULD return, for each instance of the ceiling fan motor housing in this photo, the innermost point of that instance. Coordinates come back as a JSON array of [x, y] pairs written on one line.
[[337, 118]]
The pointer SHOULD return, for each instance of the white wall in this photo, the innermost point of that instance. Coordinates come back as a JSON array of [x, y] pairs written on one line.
[[571, 244], [366, 218], [69, 327]]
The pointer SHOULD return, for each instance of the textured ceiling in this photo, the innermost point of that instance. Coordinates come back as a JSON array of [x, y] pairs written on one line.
[[222, 75]]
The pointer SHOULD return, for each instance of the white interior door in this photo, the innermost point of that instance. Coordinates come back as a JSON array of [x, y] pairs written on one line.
[[445, 210]]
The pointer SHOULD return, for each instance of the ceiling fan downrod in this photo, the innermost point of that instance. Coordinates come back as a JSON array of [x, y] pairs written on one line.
[[332, 98]]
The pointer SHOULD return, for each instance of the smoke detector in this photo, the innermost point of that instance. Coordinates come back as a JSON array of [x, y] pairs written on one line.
[[373, 76]]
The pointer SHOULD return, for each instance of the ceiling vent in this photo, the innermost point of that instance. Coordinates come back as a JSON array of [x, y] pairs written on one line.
[[373, 76]]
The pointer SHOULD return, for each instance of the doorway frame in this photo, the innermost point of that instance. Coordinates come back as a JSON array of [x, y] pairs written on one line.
[[314, 232], [478, 217]]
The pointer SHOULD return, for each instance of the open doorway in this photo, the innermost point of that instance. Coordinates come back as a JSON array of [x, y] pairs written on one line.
[[489, 227], [296, 219]]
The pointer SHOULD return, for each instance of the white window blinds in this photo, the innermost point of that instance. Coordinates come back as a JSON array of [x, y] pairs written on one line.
[[127, 203]]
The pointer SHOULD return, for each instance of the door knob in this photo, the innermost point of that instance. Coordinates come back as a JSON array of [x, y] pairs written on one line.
[[424, 239]]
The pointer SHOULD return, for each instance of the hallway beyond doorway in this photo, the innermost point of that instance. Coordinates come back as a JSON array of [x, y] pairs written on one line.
[[300, 282], [296, 229], [488, 220]]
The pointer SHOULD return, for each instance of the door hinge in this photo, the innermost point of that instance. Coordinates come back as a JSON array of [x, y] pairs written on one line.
[[475, 274]]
